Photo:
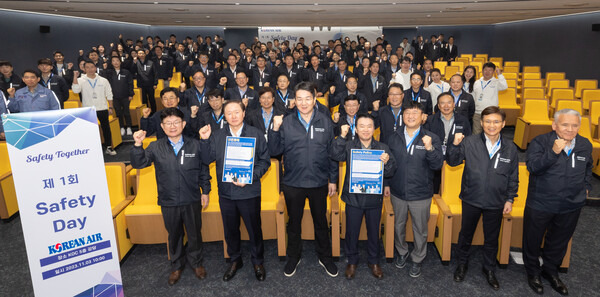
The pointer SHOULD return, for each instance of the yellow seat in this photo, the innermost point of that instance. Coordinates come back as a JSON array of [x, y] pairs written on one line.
[[8, 195], [135, 86], [463, 60], [498, 60], [558, 94], [587, 96], [594, 113], [461, 65], [482, 56], [478, 66], [323, 101], [586, 131], [115, 131], [175, 80], [72, 104], [532, 83], [553, 75], [73, 96], [512, 64], [534, 122], [450, 71], [450, 209], [511, 69], [583, 84], [533, 93], [441, 65], [479, 60], [527, 69], [556, 84], [159, 87], [512, 83], [507, 101], [569, 103], [510, 75], [136, 107], [467, 56], [532, 75], [119, 200]]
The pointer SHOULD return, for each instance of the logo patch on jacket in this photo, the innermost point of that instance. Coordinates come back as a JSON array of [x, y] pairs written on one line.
[[189, 155], [319, 129], [504, 160], [579, 158]]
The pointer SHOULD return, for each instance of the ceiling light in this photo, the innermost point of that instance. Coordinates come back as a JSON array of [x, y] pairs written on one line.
[[428, 15], [455, 8], [393, 3], [155, 2], [208, 17], [316, 4], [178, 21], [179, 9], [577, 4]]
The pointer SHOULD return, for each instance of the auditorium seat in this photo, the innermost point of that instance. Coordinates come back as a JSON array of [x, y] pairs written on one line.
[[512, 83], [478, 66], [73, 96], [587, 96], [533, 93], [594, 114], [510, 69], [569, 103], [481, 60], [511, 75], [175, 80], [558, 94], [498, 60], [115, 131], [323, 100], [467, 56], [507, 101], [461, 65], [513, 64], [532, 69], [159, 87], [553, 75], [534, 122], [463, 60], [532, 83], [582, 84], [136, 107], [72, 104], [8, 195], [482, 56], [450, 71], [556, 84], [585, 130], [119, 200], [441, 65]]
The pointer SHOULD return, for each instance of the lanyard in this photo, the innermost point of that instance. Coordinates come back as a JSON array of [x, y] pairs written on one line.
[[413, 95], [267, 118], [466, 88], [413, 138], [305, 124], [396, 117], [284, 99], [201, 97], [343, 77], [569, 152], [440, 87], [483, 87], [353, 125], [456, 98], [220, 118], [495, 148], [47, 85], [93, 86]]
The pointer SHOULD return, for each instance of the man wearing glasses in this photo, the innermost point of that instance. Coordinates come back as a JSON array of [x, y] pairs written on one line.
[[170, 98], [179, 175]]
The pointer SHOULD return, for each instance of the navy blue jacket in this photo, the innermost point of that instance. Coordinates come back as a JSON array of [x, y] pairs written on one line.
[[558, 183]]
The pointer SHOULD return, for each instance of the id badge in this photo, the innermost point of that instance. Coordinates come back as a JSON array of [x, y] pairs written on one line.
[[260, 83], [94, 95], [443, 149]]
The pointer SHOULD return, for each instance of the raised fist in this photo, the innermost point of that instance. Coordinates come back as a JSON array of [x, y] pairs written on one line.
[[277, 121], [138, 137], [205, 132], [458, 137], [146, 112]]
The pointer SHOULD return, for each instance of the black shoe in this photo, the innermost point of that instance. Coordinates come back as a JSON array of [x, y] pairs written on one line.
[[535, 283], [490, 276], [290, 266], [259, 272], [230, 273], [330, 267], [556, 283], [460, 272]]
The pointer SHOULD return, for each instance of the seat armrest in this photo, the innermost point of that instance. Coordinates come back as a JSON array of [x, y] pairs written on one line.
[[444, 209]]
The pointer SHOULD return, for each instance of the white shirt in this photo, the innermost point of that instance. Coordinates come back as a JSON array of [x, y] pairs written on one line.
[[485, 92], [492, 148], [403, 79], [436, 89], [88, 87]]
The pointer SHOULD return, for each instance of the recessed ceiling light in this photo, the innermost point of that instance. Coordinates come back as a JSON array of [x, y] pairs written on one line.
[[237, 3], [393, 3], [577, 4], [428, 15], [208, 17], [316, 4], [155, 2], [178, 21]]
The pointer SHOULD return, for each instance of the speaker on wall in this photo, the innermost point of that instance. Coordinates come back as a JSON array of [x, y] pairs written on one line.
[[596, 27], [44, 29]]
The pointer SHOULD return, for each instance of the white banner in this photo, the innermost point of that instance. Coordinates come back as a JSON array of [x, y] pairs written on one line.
[[65, 210], [294, 33]]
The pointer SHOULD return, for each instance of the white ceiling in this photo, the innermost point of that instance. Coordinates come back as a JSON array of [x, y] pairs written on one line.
[[249, 13]]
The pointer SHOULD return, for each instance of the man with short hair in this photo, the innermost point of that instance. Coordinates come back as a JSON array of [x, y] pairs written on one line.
[[151, 123], [243, 92], [230, 72], [489, 186], [337, 79], [293, 73], [62, 69], [560, 166], [121, 83], [96, 92], [485, 92], [351, 88], [9, 80], [147, 78], [373, 85], [33, 97], [463, 101], [262, 118], [418, 94], [304, 138], [403, 75], [411, 187], [57, 84], [164, 64], [180, 175], [210, 73], [388, 118], [261, 75], [317, 75]]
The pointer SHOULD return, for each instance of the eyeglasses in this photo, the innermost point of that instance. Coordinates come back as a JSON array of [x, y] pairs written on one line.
[[492, 122], [169, 98], [172, 124], [415, 79]]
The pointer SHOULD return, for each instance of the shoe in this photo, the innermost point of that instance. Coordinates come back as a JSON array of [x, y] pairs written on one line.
[[556, 283], [110, 151], [401, 261], [200, 272], [129, 131], [122, 131], [350, 270], [230, 273], [460, 272], [415, 270], [174, 277], [490, 276], [259, 272], [290, 267], [376, 271], [535, 283], [330, 267]]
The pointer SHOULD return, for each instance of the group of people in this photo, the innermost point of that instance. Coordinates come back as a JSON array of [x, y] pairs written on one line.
[[423, 122]]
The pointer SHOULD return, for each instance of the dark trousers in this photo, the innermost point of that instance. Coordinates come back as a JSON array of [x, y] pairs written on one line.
[[249, 210], [121, 106], [105, 125], [354, 216], [148, 97], [437, 181], [175, 218], [559, 229], [492, 220], [295, 199]]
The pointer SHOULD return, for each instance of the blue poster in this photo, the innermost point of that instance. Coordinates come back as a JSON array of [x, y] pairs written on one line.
[[366, 172], [239, 160]]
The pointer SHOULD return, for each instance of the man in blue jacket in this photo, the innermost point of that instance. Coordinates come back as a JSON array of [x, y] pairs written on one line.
[[305, 138], [238, 199], [32, 98], [411, 188], [362, 205], [489, 185], [180, 175], [560, 166]]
